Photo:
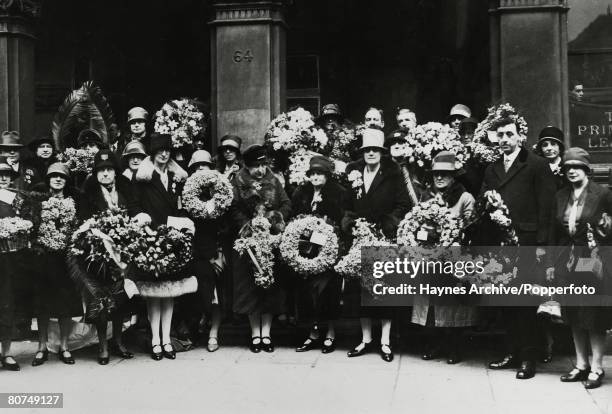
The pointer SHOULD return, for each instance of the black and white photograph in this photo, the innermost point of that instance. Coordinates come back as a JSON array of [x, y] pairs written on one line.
[[306, 206]]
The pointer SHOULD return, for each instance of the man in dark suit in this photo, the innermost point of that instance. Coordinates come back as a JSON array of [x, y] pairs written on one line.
[[527, 187]]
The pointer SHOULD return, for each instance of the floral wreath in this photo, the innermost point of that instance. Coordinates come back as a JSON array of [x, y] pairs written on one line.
[[480, 146], [493, 205], [220, 192], [293, 235], [14, 232], [165, 251], [257, 241], [58, 219], [426, 217], [431, 138], [77, 160], [181, 119]]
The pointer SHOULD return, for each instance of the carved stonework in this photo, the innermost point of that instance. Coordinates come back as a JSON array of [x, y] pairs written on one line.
[[526, 5], [21, 8], [249, 12]]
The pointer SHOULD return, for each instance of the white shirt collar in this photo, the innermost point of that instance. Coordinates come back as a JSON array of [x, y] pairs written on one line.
[[511, 157]]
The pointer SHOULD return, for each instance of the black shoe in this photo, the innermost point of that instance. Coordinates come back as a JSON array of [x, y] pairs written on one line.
[[433, 353], [171, 354], [575, 375], [120, 352], [506, 362], [309, 343], [267, 347], [589, 384], [255, 347], [326, 349], [69, 360], [547, 358], [157, 356], [11, 366], [355, 352], [386, 356], [44, 355], [526, 370], [103, 360], [453, 358]]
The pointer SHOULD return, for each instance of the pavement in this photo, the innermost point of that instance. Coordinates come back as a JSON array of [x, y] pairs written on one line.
[[234, 380]]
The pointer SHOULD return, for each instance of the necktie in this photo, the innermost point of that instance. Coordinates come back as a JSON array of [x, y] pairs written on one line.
[[507, 163]]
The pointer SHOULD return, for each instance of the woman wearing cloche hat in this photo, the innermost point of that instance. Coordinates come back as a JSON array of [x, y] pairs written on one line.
[[452, 317], [322, 196], [54, 293], [379, 196], [582, 215]]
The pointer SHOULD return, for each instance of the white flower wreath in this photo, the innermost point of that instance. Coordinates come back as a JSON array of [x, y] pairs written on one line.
[[289, 246], [433, 212], [220, 191]]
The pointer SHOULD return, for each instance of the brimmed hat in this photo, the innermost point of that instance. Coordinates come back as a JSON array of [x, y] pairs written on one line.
[[6, 167], [230, 141], [397, 136], [200, 157], [33, 145], [89, 136], [577, 157], [134, 147], [10, 139], [468, 121], [461, 111], [160, 142], [254, 153], [372, 138], [319, 163], [551, 133], [330, 111], [444, 161], [105, 159], [137, 113], [58, 168]]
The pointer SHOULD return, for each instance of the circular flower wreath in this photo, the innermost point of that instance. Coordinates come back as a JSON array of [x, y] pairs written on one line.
[[481, 147], [58, 217], [220, 193], [290, 241], [431, 138], [433, 212], [181, 119]]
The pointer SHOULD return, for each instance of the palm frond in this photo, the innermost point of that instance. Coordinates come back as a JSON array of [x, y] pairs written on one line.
[[83, 108]]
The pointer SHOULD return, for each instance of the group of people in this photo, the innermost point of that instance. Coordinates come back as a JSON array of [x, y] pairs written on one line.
[[550, 197]]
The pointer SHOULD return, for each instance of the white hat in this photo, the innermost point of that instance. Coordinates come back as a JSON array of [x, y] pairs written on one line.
[[373, 138], [461, 110], [200, 157]]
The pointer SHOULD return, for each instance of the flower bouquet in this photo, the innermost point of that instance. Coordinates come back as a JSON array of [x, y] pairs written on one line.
[[364, 235], [343, 140], [293, 130], [257, 241], [213, 186], [491, 207], [165, 251], [481, 148], [77, 160], [431, 138], [58, 220], [14, 233], [312, 231], [181, 119]]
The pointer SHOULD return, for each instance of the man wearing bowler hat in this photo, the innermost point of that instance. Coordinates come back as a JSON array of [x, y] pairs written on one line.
[[10, 147]]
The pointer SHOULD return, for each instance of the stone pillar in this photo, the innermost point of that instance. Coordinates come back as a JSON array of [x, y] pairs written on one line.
[[248, 57], [529, 60], [17, 42]]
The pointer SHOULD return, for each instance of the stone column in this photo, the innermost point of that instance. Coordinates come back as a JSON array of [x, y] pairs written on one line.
[[248, 60], [17, 42], [529, 60]]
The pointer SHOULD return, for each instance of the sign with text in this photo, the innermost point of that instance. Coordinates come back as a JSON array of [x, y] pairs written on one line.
[[591, 129]]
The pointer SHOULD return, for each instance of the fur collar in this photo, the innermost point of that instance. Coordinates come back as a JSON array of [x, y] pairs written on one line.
[[146, 170]]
